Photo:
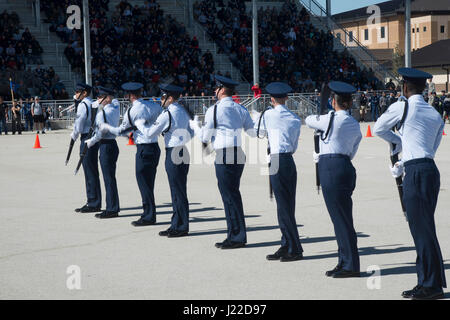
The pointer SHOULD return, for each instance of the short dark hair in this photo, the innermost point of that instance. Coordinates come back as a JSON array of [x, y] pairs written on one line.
[[228, 91], [416, 87], [344, 101]]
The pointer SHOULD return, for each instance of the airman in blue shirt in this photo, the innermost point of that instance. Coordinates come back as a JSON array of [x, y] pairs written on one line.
[[420, 128], [340, 140]]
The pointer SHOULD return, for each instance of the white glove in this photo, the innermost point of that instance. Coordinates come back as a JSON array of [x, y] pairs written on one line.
[[193, 124], [255, 115], [316, 157], [74, 136], [104, 128], [398, 149], [90, 142], [397, 169], [140, 124]]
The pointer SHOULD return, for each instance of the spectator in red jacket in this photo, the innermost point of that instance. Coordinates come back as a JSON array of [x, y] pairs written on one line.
[[256, 91]]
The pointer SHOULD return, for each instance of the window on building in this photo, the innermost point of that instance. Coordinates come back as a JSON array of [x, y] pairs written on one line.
[[338, 35], [366, 34], [383, 32], [413, 30], [424, 29], [350, 36], [417, 30], [442, 29]]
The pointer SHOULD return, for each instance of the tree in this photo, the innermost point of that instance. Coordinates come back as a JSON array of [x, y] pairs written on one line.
[[398, 60]]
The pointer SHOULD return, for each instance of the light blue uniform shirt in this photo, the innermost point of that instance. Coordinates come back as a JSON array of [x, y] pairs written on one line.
[[231, 119], [179, 133], [345, 133], [421, 133], [282, 127], [83, 121], [112, 115], [146, 110]]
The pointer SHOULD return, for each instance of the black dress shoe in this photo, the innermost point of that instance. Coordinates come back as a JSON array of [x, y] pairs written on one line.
[[341, 274], [87, 209], [177, 234], [164, 233], [425, 293], [288, 257], [409, 293], [107, 215], [277, 255], [331, 272], [220, 244], [143, 223], [230, 245]]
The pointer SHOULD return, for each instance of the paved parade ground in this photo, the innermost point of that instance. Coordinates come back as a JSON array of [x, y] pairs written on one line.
[[45, 245]]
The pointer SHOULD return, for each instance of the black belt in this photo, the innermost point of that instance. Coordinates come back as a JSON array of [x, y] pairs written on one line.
[[334, 155], [281, 154], [417, 161], [179, 147], [107, 141], [147, 144]]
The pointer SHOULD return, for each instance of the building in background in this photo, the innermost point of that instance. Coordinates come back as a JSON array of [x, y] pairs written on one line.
[[430, 23], [435, 59]]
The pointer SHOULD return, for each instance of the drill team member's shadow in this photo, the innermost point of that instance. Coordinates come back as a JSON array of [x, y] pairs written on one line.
[[249, 229], [303, 240], [406, 268], [165, 205]]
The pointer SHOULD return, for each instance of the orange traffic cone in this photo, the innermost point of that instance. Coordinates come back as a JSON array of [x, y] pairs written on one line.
[[131, 140], [37, 144], [369, 132]]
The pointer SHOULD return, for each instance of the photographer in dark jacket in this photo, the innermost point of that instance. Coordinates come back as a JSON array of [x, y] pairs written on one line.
[[363, 107], [15, 113]]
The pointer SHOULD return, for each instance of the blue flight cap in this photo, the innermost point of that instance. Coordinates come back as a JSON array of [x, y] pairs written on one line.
[[414, 74], [132, 86], [102, 91], [278, 89], [83, 86], [171, 89], [226, 82], [341, 88]]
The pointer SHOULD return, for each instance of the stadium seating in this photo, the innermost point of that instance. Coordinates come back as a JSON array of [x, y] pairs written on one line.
[[19, 50], [135, 44], [290, 48]]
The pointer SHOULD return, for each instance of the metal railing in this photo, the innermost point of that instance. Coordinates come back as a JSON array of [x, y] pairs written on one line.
[[359, 51], [299, 103]]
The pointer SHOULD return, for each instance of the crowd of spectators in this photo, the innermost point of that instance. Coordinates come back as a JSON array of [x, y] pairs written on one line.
[[18, 50], [136, 44], [290, 48]]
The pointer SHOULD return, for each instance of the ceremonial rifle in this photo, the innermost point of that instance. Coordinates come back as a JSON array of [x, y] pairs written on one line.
[[72, 142], [321, 107], [91, 132]]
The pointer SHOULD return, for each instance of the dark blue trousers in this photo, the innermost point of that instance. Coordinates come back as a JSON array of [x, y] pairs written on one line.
[[109, 152], [375, 112], [91, 174], [284, 184], [229, 167], [177, 168], [420, 193], [147, 159], [338, 179]]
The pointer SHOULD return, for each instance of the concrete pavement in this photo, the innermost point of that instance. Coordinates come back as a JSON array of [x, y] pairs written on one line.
[[44, 243]]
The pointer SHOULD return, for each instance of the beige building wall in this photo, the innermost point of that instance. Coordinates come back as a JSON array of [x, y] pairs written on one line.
[[426, 30], [439, 78]]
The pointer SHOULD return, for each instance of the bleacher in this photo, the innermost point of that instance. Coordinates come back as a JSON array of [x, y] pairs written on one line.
[[135, 43], [291, 49]]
